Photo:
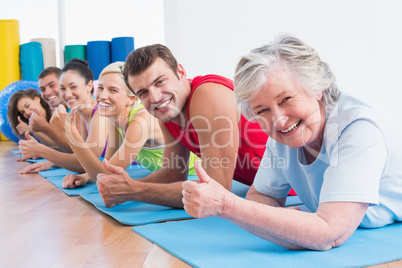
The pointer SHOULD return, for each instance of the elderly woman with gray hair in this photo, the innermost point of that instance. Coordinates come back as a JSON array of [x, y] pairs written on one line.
[[341, 154]]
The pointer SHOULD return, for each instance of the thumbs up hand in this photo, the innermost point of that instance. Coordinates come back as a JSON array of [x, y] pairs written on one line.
[[37, 112], [70, 126], [59, 118], [115, 187], [28, 136], [20, 120], [37, 121], [206, 198], [22, 126], [30, 148]]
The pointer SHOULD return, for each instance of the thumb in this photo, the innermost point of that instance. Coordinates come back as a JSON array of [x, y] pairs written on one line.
[[61, 108], [73, 110], [112, 168], [72, 115], [36, 111], [29, 137], [202, 174], [19, 119]]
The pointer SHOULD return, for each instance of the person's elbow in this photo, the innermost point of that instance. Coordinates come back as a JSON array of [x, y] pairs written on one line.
[[325, 241]]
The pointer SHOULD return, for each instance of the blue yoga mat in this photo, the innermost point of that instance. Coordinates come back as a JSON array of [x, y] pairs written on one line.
[[56, 172], [56, 175], [58, 181], [138, 213], [121, 47], [98, 56], [215, 242], [31, 60], [39, 160], [137, 171], [16, 151]]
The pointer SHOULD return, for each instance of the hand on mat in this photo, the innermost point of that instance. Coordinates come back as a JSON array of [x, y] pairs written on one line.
[[37, 167], [29, 148], [59, 118], [72, 181], [115, 188], [22, 126], [37, 122], [207, 198]]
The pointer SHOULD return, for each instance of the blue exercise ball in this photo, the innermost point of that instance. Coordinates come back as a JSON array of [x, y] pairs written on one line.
[[5, 96]]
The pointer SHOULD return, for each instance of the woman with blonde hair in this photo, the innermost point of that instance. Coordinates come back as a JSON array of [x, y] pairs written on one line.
[[134, 134]]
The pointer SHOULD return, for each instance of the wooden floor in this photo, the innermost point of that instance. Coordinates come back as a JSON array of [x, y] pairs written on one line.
[[40, 226]]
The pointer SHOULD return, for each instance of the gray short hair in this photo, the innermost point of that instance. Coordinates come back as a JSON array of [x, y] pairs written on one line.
[[292, 55]]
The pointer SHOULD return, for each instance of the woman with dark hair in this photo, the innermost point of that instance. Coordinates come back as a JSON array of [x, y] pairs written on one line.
[[22, 105], [76, 87]]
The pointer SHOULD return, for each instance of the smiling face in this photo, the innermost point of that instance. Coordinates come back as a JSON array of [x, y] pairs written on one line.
[[112, 96], [163, 93], [26, 106], [73, 88], [288, 114], [50, 89]]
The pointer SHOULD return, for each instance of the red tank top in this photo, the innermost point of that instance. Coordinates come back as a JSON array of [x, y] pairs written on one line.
[[252, 139]]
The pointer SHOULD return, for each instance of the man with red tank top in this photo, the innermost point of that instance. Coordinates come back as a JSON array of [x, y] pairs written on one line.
[[198, 115]]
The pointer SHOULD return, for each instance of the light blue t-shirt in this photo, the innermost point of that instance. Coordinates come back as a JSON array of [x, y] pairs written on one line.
[[360, 161]]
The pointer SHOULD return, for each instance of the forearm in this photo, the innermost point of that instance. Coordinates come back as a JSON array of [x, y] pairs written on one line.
[[58, 138], [64, 160], [286, 227], [91, 164], [44, 139], [165, 194], [254, 195], [164, 175]]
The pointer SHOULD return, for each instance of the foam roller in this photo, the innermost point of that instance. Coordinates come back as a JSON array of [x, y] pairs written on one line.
[[48, 50], [75, 51], [98, 56], [31, 61], [9, 52], [121, 47]]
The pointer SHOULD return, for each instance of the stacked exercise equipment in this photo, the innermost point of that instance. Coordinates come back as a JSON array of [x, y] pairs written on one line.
[[48, 51], [21, 64], [5, 96], [9, 54]]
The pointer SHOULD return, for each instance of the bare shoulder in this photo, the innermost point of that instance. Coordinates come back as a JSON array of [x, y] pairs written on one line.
[[142, 114], [212, 99]]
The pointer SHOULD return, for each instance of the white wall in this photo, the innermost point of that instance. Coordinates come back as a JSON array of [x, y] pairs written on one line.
[[88, 20], [360, 39], [38, 18]]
